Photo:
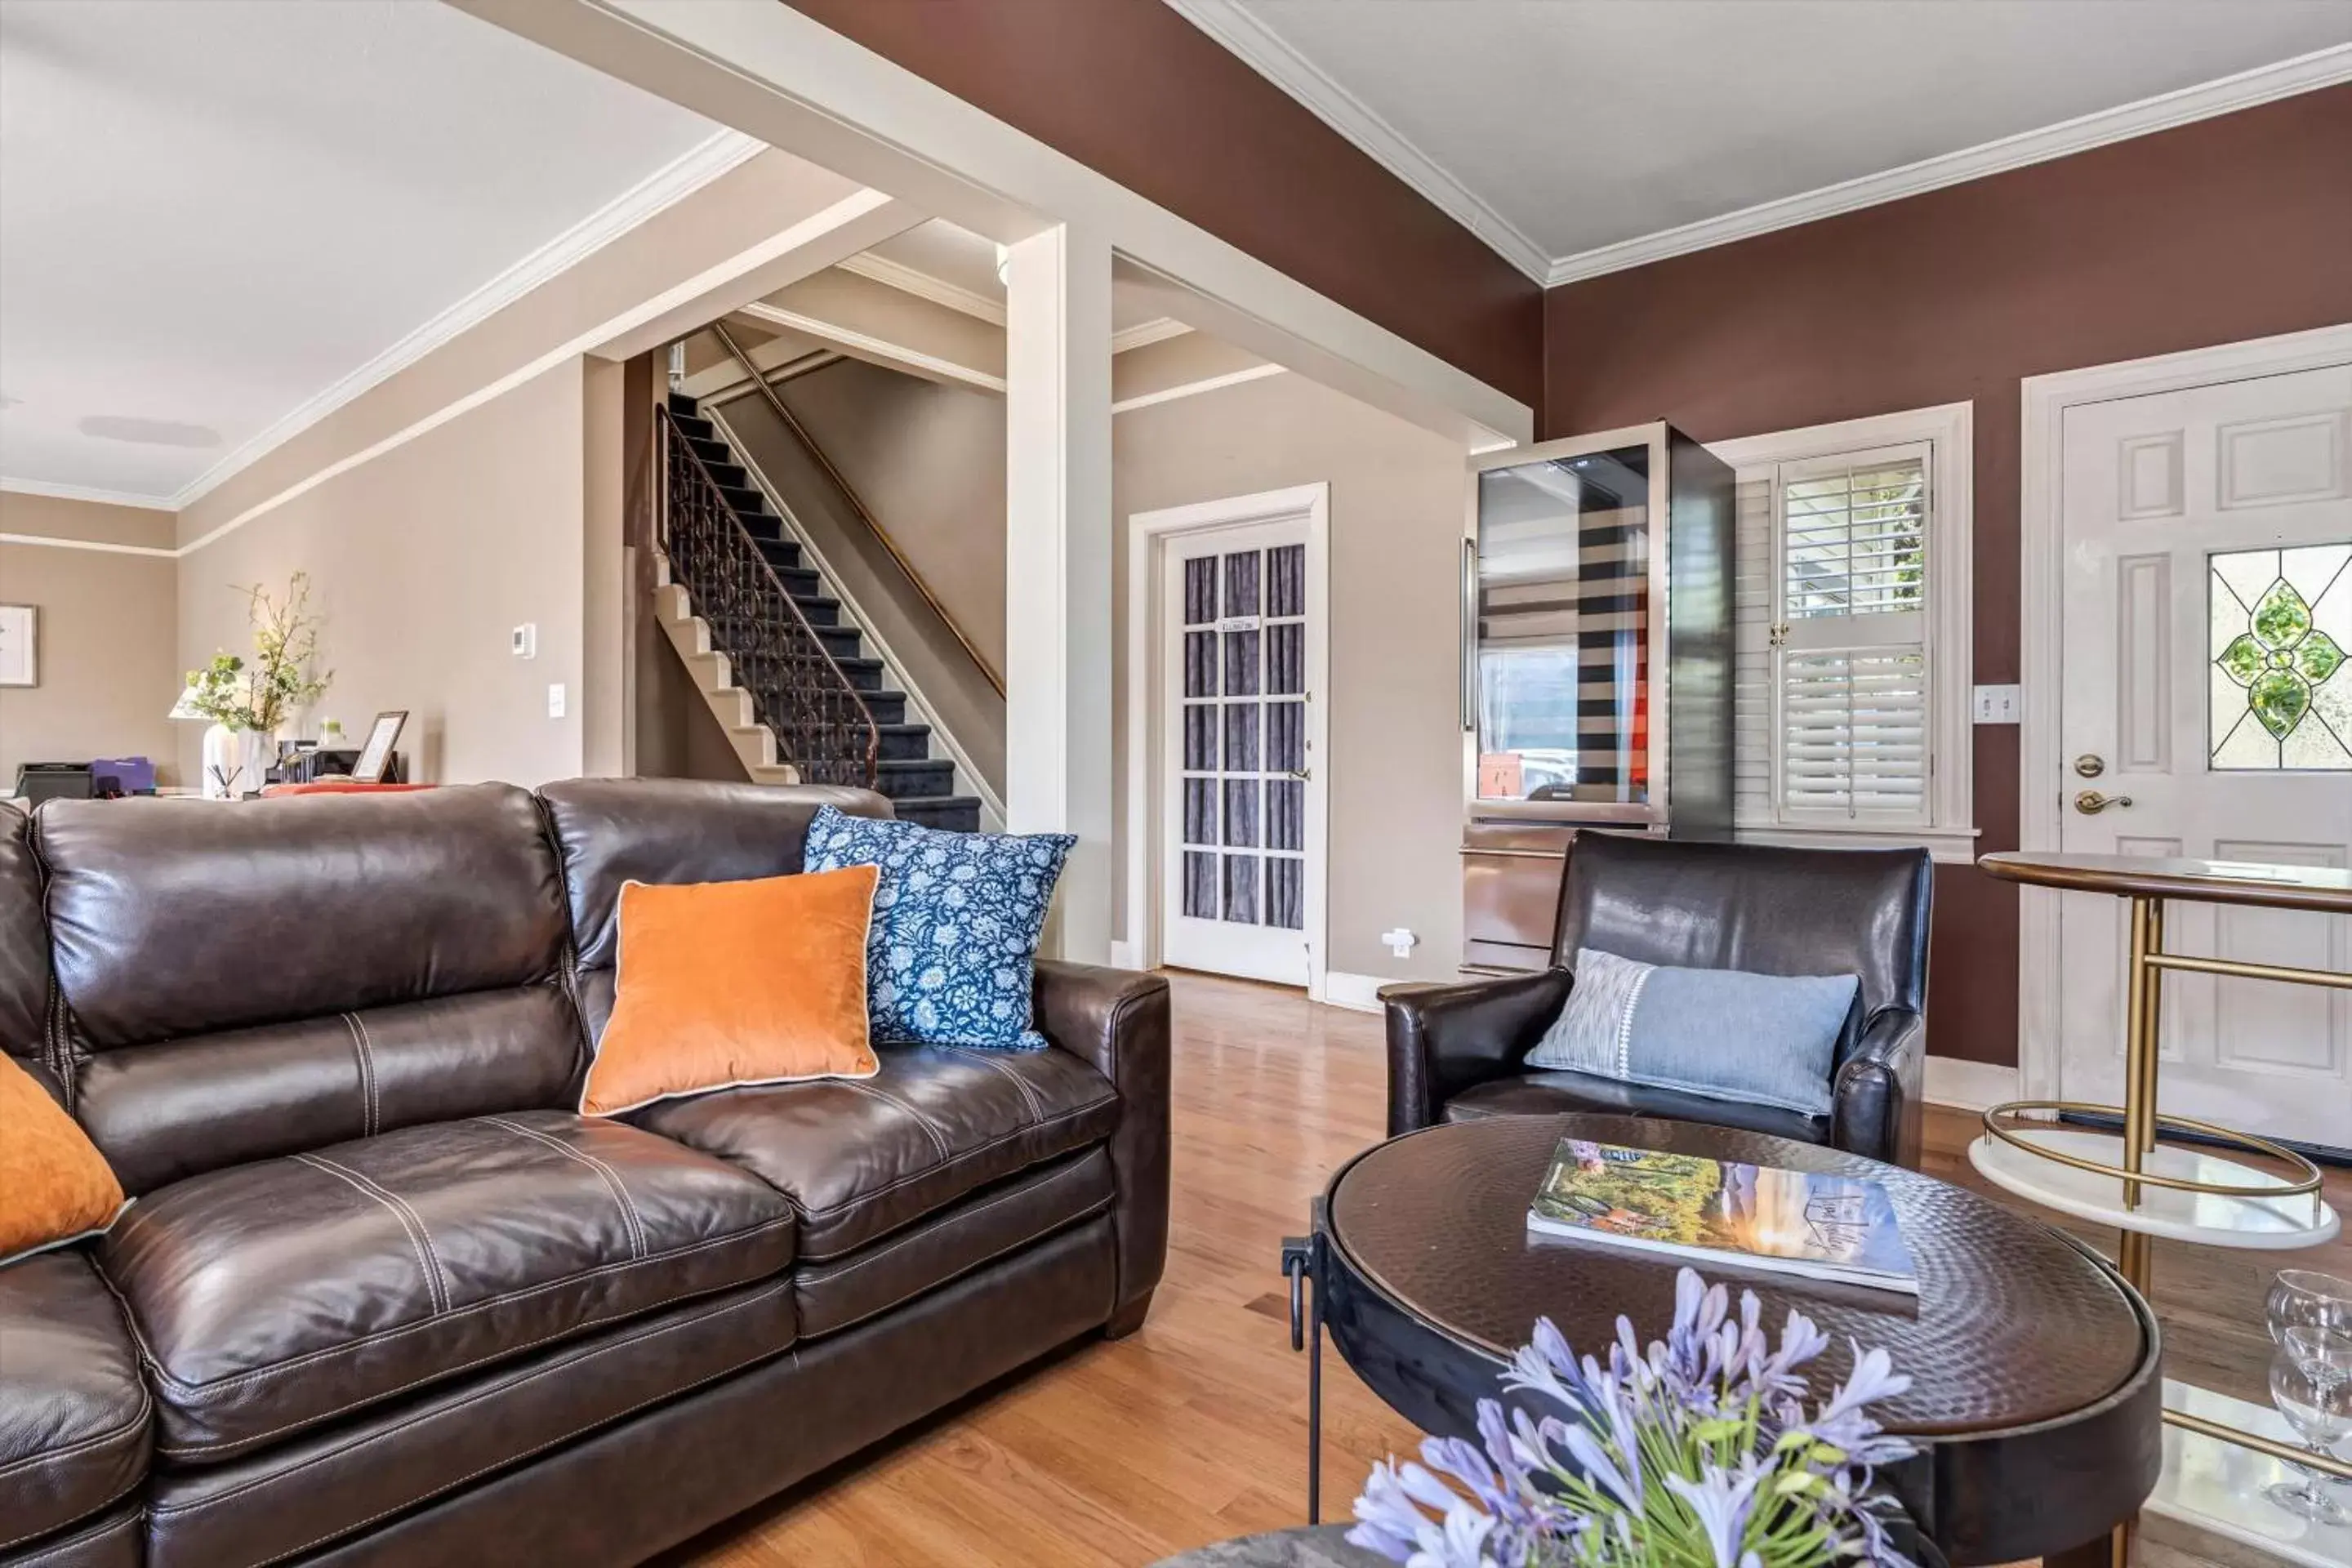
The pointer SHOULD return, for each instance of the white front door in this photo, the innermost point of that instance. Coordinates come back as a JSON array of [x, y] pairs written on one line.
[[1240, 877], [2208, 651]]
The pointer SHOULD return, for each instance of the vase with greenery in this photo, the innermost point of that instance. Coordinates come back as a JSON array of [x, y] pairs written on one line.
[[268, 694], [1701, 1452], [252, 704]]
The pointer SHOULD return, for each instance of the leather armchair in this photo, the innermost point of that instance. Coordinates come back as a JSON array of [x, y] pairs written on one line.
[[1459, 1051]]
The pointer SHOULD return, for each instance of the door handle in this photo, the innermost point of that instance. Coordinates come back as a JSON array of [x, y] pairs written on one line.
[[2090, 803], [1301, 775]]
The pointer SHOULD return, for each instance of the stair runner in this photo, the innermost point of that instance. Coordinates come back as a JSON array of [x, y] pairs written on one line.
[[921, 786]]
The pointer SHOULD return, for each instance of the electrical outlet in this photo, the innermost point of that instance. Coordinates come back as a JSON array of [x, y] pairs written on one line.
[[1998, 705], [1399, 941], [555, 700]]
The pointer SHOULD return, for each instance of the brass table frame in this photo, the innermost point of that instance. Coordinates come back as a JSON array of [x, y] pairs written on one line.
[[2147, 884]]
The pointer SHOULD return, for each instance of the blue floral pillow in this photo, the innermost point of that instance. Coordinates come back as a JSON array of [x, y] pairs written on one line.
[[952, 954]]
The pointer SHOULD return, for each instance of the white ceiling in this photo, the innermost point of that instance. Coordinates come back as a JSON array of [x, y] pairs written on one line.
[[210, 215], [1561, 128]]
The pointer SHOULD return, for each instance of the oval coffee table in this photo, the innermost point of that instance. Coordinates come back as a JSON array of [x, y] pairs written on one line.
[[2035, 1391]]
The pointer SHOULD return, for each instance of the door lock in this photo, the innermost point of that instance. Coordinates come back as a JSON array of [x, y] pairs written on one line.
[[2090, 765], [2090, 803]]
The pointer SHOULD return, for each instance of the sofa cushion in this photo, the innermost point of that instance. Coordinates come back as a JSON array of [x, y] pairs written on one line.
[[337, 1479], [863, 1159], [24, 943], [984, 1227], [1551, 1093], [271, 1297], [293, 973], [74, 1416], [115, 1539]]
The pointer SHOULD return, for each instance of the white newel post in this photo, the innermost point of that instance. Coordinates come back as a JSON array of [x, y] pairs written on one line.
[[1057, 589]]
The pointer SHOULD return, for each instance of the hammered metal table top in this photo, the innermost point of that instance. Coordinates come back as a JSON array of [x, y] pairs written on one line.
[[2013, 1324]]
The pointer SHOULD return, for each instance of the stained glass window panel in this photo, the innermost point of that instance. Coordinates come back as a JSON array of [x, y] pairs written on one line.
[[2280, 637]]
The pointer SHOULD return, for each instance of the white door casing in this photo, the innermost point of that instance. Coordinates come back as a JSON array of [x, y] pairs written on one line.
[[1227, 783], [2206, 661]]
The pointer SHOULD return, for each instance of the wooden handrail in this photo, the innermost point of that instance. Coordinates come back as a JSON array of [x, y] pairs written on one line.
[[808, 443]]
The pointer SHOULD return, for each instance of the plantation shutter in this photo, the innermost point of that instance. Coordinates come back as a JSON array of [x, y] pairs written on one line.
[[1754, 607], [1848, 643]]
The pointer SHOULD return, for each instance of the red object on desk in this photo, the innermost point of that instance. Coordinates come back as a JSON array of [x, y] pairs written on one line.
[[336, 786]]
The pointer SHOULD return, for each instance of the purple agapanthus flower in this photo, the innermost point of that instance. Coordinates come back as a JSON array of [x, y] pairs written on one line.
[[1699, 1448]]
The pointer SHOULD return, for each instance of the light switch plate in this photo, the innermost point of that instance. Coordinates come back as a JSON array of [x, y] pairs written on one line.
[[1998, 705], [555, 700]]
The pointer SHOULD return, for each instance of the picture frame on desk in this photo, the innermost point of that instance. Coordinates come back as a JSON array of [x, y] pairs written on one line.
[[20, 627], [376, 756]]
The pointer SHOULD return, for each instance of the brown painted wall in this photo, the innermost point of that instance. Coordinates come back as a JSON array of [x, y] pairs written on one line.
[[2235, 227], [1133, 90]]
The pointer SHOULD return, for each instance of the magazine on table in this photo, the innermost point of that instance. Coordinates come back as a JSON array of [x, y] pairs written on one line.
[[1838, 1228]]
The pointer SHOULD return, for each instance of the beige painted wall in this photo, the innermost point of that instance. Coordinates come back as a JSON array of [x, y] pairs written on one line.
[[1396, 530], [421, 562], [109, 662]]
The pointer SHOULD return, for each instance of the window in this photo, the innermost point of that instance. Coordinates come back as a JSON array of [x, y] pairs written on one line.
[[1852, 635]]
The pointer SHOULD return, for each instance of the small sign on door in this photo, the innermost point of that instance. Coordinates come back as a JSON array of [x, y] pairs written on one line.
[[1238, 624]]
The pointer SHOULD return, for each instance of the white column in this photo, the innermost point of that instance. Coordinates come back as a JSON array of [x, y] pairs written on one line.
[[1058, 586]]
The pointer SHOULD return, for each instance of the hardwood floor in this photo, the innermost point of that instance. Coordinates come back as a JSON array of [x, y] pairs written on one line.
[[1194, 1428]]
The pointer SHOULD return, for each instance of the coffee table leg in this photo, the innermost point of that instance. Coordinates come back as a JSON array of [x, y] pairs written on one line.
[[1299, 1255]]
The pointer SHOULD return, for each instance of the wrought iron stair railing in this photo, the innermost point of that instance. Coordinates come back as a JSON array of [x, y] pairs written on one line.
[[822, 725]]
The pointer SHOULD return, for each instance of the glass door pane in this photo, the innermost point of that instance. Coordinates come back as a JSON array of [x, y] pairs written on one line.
[[1244, 737], [1563, 641]]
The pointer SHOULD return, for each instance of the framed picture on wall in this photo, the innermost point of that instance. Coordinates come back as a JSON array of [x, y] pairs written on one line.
[[375, 757], [19, 645]]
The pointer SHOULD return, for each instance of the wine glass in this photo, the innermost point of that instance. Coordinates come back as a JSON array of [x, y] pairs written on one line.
[[2301, 1297], [2311, 1384]]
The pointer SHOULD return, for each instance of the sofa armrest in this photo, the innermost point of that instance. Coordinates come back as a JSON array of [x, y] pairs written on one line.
[[1879, 1095], [1443, 1038], [1116, 1020]]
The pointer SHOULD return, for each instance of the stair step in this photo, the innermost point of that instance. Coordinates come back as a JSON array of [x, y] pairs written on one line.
[[888, 708], [730, 476], [841, 642], [925, 780], [955, 813], [749, 503], [782, 553], [799, 582], [866, 674], [902, 742], [712, 449], [679, 403], [697, 429]]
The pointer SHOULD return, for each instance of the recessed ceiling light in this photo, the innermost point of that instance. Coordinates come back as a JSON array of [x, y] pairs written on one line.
[[147, 432]]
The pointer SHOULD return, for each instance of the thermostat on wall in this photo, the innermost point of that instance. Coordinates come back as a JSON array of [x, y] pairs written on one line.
[[523, 641]]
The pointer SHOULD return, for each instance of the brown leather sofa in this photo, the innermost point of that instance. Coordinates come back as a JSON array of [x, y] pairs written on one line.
[[383, 1298]]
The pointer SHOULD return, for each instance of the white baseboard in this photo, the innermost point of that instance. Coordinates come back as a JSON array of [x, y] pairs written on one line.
[[1356, 993], [1971, 1086], [1123, 955]]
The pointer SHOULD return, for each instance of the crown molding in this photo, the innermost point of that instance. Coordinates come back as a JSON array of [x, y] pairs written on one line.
[[1143, 334], [1265, 51], [88, 493], [665, 186], [2304, 73], [1268, 53], [923, 286]]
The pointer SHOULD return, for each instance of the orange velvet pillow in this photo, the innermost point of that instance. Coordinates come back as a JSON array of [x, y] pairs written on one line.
[[55, 1186], [724, 983]]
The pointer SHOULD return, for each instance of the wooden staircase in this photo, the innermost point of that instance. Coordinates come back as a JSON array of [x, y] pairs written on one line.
[[920, 782]]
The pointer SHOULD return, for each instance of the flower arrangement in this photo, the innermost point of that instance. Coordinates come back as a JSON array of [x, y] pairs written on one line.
[[1700, 1453], [280, 683]]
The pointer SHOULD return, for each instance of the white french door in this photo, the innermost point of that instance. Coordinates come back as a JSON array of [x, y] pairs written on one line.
[[1240, 822], [2208, 696]]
